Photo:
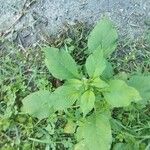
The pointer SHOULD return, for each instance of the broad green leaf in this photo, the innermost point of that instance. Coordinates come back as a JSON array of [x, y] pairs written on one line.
[[80, 146], [60, 63], [95, 64], [120, 94], [95, 133], [78, 84], [121, 76], [103, 35], [87, 102], [99, 83], [108, 72], [38, 104], [70, 127], [142, 84], [64, 97]]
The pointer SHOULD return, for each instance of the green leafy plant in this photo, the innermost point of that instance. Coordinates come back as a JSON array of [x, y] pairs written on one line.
[[92, 95]]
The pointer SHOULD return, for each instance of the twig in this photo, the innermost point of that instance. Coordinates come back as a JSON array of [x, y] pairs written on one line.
[[23, 12]]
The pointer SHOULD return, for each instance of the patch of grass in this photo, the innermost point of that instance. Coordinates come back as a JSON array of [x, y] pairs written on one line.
[[132, 56], [133, 123], [23, 72]]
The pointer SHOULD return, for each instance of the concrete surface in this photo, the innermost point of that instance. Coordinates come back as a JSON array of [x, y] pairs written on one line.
[[31, 18]]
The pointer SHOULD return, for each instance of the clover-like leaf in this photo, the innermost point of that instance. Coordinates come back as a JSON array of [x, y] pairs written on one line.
[[120, 94], [95, 133], [38, 104], [87, 102], [95, 64], [60, 63], [103, 35]]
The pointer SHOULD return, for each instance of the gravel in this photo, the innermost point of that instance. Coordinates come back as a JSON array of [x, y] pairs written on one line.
[[29, 20]]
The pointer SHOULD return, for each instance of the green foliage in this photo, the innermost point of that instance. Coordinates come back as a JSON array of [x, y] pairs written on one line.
[[120, 94], [95, 64], [70, 127], [38, 104], [87, 102], [64, 97], [104, 36], [142, 84], [60, 63], [99, 83], [86, 96], [95, 132], [108, 72]]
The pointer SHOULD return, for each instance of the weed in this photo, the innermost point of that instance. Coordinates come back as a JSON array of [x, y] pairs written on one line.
[[24, 72], [91, 94]]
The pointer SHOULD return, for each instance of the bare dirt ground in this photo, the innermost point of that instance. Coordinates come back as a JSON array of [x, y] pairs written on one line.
[[31, 19]]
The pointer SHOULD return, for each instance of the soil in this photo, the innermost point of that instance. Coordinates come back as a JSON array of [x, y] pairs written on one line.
[[29, 21]]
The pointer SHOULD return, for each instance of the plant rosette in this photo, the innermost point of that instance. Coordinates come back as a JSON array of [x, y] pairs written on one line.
[[93, 94]]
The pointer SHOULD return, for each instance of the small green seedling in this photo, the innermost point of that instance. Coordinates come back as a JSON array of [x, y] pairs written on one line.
[[92, 95]]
